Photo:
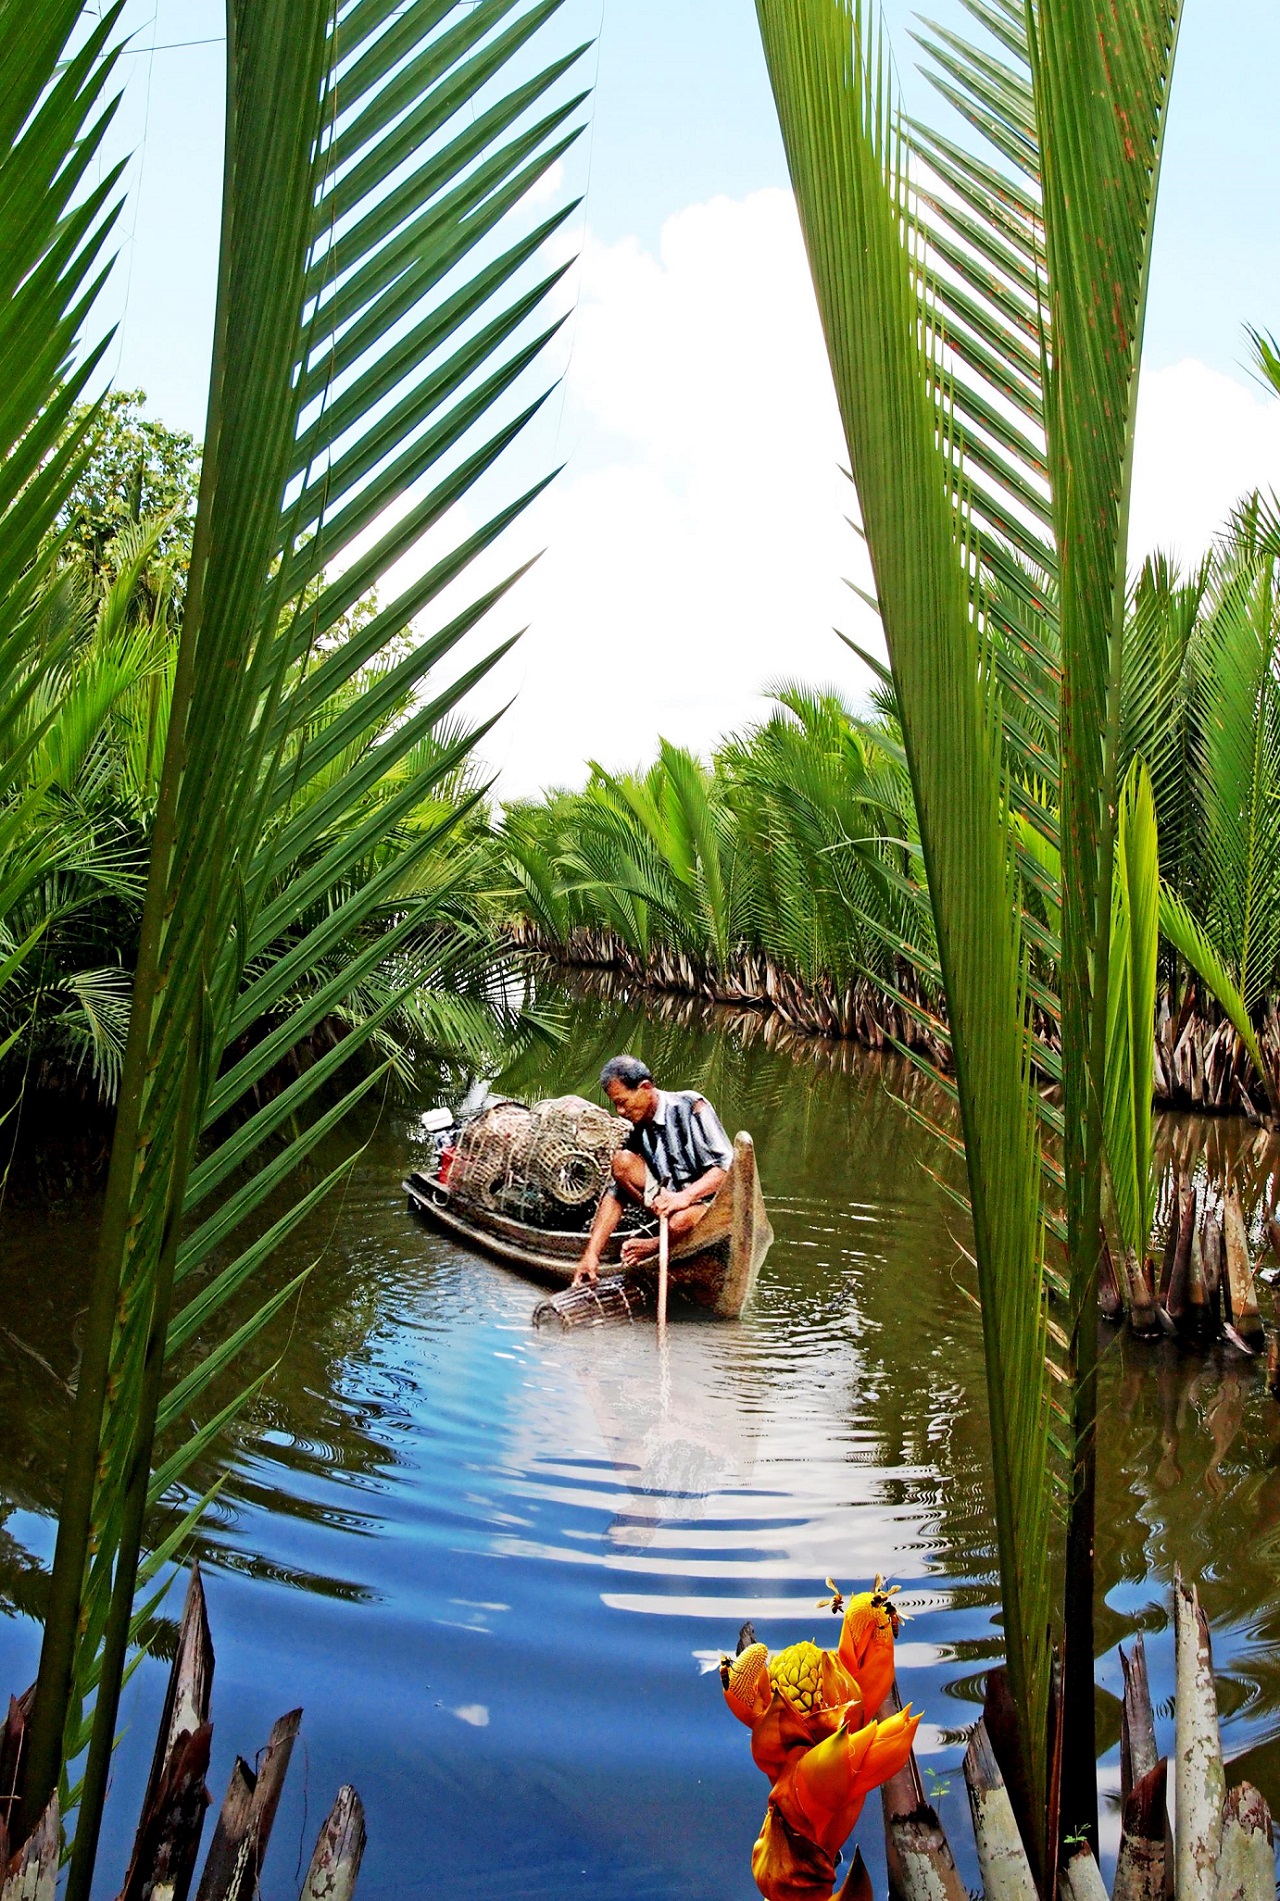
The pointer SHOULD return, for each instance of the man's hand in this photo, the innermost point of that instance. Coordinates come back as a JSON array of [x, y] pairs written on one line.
[[669, 1201], [588, 1271]]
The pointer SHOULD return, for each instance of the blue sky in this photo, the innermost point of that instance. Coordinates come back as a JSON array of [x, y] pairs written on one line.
[[709, 519], [682, 114]]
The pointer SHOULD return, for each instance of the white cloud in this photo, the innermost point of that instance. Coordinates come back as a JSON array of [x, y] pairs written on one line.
[[473, 1713], [697, 543], [549, 188], [1203, 440]]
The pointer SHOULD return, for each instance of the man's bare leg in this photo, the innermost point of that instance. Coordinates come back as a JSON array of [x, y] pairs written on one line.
[[644, 1247]]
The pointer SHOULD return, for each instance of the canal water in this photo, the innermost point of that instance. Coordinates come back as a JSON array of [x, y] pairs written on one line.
[[497, 1567]]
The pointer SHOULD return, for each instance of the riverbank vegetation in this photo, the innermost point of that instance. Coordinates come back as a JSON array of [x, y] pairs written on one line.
[[786, 871], [77, 814]]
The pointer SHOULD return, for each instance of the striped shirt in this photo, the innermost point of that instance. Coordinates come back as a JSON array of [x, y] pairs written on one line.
[[680, 1141]]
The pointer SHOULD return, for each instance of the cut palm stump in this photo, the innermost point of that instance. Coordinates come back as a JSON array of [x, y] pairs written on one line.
[[918, 1858], [167, 1844]]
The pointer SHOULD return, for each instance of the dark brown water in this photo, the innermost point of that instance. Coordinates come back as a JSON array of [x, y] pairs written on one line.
[[497, 1567]]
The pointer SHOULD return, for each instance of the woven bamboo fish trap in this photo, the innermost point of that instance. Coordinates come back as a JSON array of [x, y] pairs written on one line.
[[546, 1165]]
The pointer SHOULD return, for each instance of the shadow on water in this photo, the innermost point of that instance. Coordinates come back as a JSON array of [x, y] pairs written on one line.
[[498, 1567]]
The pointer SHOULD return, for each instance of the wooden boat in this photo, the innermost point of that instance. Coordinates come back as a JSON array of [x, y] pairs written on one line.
[[714, 1267]]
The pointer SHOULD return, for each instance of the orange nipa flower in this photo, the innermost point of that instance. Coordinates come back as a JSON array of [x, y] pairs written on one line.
[[867, 1635], [806, 1708]]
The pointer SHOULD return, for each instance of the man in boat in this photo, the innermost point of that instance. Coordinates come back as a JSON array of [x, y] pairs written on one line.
[[672, 1163]]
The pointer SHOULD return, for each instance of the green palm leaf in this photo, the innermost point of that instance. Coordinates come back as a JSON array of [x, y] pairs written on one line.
[[848, 164], [1236, 759], [346, 371], [1131, 1001], [984, 339]]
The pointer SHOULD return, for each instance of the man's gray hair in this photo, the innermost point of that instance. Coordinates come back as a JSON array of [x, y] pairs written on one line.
[[625, 1069]]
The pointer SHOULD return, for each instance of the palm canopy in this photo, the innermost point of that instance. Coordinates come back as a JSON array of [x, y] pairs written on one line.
[[794, 844], [1205, 709]]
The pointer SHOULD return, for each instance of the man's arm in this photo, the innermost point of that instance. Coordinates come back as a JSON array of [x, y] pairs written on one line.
[[712, 1148], [608, 1215], [669, 1201], [710, 1140]]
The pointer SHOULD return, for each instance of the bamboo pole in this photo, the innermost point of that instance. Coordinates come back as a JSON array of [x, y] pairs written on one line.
[[1200, 1782], [664, 1269]]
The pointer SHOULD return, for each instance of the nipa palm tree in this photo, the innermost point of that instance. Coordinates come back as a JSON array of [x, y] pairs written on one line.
[[1220, 908], [377, 309], [984, 321]]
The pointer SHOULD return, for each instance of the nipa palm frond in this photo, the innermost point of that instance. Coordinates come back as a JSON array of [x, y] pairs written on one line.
[[984, 332], [368, 325], [849, 166]]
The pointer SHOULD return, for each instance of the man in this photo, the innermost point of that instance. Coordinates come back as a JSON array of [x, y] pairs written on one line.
[[674, 1159]]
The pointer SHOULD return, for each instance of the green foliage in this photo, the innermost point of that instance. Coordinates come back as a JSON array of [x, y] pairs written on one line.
[[1236, 688], [1203, 654], [54, 229], [848, 160], [74, 821], [1131, 1000], [796, 845], [137, 467], [73, 873], [985, 333]]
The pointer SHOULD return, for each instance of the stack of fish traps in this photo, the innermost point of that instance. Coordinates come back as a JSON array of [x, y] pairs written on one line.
[[546, 1165]]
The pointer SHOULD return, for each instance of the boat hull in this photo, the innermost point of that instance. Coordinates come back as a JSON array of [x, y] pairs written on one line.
[[714, 1267]]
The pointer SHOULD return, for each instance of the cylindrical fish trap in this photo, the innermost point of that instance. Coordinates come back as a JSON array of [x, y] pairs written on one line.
[[593, 1303]]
